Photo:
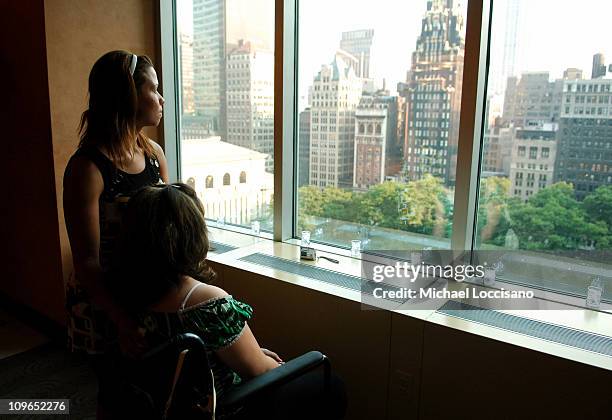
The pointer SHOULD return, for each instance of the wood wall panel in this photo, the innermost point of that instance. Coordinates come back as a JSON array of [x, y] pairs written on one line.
[[78, 32], [291, 320], [465, 376]]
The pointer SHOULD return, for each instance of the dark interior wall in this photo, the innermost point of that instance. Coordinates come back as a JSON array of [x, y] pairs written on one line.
[[32, 271], [47, 51]]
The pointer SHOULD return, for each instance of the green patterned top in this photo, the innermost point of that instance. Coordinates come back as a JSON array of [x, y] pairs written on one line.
[[218, 321]]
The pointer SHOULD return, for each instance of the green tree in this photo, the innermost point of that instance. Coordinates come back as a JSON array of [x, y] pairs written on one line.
[[598, 205], [379, 205], [426, 209], [553, 219]]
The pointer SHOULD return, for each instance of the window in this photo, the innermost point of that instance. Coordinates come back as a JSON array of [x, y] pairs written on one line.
[[421, 163], [556, 257], [209, 182], [191, 182], [225, 64], [420, 123]]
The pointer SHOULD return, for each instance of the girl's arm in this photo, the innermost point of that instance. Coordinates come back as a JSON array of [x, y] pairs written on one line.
[[244, 356], [83, 186], [161, 158]]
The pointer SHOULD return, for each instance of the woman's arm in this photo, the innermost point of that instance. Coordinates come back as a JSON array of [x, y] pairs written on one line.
[[161, 158], [83, 185], [243, 356]]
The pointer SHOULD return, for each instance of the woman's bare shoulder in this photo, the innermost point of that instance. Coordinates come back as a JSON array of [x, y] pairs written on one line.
[[82, 170], [156, 146], [204, 293]]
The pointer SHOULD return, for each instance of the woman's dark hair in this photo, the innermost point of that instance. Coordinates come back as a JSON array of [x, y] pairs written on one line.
[[163, 236], [110, 120]]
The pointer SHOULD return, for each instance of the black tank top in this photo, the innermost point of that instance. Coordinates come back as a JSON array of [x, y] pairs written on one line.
[[89, 327], [119, 186]]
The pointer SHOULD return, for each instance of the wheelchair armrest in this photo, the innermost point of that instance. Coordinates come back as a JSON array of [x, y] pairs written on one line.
[[276, 377]]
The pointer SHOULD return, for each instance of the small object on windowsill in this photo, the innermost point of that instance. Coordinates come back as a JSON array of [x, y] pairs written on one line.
[[328, 259], [305, 241], [307, 253], [594, 292], [255, 227], [489, 277]]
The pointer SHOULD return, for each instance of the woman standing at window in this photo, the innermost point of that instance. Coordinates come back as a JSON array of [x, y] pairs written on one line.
[[114, 159]]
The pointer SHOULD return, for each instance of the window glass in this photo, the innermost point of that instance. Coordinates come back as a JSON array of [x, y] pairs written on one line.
[[378, 125], [226, 70], [556, 233]]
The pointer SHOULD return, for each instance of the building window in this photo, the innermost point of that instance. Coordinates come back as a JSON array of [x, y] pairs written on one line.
[[243, 177], [226, 179], [209, 182], [191, 182]]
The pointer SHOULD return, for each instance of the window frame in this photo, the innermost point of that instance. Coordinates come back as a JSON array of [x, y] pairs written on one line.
[[471, 128]]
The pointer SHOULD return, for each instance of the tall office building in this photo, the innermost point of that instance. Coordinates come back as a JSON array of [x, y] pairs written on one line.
[[333, 98], [532, 165], [497, 150], [375, 139], [358, 43], [531, 100], [250, 99], [209, 50], [304, 148], [512, 37], [433, 94], [508, 22], [599, 66], [186, 72], [584, 156]]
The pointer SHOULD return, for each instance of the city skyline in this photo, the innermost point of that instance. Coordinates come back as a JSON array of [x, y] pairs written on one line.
[[562, 49], [346, 133]]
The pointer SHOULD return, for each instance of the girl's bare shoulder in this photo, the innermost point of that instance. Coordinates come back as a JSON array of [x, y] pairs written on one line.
[[204, 293]]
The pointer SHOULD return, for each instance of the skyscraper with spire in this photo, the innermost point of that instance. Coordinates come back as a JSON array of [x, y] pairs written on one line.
[[433, 94]]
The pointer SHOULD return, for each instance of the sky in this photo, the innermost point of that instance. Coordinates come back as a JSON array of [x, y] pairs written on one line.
[[556, 34]]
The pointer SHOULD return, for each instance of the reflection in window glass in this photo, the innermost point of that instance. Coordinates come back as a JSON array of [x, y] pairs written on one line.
[[226, 69], [379, 99], [549, 131]]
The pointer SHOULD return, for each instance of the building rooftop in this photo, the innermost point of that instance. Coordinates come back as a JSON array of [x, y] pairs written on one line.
[[196, 152]]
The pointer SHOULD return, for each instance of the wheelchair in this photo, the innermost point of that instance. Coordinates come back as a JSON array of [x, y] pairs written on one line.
[[174, 381]]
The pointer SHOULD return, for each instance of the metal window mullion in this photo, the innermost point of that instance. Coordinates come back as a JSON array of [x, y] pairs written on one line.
[[471, 125], [285, 84], [169, 83]]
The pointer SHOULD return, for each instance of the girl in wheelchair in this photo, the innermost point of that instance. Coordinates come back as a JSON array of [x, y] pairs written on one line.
[[161, 274]]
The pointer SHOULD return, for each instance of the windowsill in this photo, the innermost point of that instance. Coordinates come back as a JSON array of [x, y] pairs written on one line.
[[554, 313]]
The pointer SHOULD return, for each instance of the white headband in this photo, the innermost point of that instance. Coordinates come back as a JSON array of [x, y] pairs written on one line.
[[133, 64]]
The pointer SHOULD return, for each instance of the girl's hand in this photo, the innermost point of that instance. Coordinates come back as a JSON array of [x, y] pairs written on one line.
[[131, 337], [273, 355]]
